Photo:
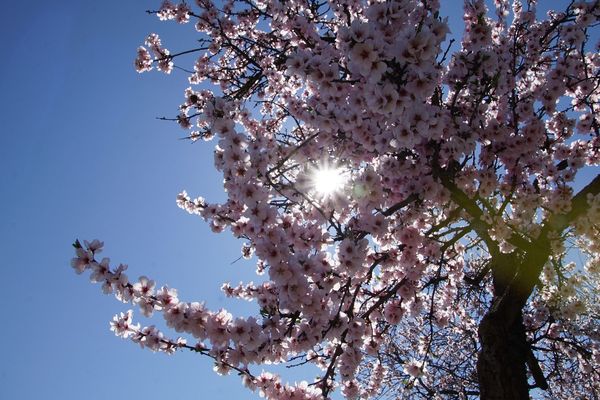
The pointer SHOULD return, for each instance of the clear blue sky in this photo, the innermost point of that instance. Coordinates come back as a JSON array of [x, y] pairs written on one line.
[[82, 156]]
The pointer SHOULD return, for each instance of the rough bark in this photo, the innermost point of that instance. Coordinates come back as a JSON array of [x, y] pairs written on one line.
[[501, 366], [505, 355]]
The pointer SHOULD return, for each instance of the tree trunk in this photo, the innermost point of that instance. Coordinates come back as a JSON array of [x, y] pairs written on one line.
[[501, 365]]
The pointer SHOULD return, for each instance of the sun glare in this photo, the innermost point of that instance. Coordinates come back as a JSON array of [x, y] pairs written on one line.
[[328, 180]]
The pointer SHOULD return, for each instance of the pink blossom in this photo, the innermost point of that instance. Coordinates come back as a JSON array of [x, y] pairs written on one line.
[[462, 200], [122, 325]]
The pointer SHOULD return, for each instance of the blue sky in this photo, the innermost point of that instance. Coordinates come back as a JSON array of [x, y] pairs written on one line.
[[83, 156]]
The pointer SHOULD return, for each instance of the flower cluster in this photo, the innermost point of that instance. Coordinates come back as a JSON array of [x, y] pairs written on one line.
[[458, 201], [162, 56]]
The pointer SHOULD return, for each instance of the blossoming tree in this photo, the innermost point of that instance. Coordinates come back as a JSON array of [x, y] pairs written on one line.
[[412, 210]]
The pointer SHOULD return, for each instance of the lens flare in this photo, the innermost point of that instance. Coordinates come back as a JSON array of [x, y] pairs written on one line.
[[327, 180]]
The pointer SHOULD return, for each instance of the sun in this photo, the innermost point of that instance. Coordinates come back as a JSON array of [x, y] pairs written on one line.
[[327, 180]]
